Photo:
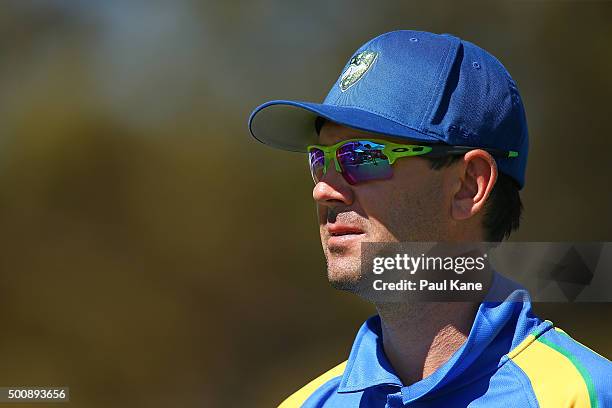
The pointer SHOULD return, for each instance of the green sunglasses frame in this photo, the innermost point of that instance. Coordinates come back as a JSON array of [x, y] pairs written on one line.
[[394, 151]]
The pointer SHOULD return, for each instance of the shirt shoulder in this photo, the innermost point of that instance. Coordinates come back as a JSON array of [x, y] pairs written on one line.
[[326, 381], [563, 372]]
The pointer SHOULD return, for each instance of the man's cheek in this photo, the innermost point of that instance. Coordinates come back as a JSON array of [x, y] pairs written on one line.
[[378, 215]]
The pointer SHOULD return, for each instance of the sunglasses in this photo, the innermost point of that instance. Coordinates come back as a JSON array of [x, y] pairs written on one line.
[[360, 160]]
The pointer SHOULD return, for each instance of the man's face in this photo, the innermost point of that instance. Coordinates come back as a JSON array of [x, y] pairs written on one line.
[[414, 205]]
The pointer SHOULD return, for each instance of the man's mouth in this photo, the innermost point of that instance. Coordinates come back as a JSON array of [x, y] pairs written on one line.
[[341, 231], [342, 235]]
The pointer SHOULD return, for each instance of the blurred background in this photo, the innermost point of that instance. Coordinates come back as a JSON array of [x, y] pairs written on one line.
[[153, 255]]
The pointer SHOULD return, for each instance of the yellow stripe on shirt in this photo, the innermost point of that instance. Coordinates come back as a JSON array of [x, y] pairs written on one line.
[[555, 380], [300, 396]]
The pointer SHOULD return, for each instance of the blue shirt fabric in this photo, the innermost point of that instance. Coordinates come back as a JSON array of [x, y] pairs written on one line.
[[482, 373]]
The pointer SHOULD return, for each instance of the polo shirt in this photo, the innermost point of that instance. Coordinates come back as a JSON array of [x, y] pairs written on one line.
[[511, 358]]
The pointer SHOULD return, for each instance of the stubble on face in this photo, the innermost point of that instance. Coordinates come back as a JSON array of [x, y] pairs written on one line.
[[409, 207], [403, 215]]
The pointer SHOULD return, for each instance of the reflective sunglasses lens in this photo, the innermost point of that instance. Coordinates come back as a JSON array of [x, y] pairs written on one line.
[[364, 160], [316, 160]]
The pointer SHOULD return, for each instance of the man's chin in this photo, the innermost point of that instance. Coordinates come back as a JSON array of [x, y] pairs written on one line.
[[343, 271], [344, 280]]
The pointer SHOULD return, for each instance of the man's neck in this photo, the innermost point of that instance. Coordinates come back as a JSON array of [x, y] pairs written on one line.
[[420, 337]]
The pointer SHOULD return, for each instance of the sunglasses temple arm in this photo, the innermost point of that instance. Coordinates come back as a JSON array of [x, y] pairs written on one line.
[[450, 150]]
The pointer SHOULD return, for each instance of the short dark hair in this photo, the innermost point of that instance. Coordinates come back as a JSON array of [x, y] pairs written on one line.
[[503, 209]]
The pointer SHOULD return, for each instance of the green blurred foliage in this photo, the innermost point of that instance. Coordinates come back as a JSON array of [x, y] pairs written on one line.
[[154, 255]]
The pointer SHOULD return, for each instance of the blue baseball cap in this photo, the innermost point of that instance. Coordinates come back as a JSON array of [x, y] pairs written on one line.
[[432, 88]]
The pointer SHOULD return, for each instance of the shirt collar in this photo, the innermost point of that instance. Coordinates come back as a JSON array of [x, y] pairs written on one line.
[[367, 365], [498, 327]]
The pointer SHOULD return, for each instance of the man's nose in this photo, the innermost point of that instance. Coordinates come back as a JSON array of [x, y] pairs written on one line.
[[332, 189]]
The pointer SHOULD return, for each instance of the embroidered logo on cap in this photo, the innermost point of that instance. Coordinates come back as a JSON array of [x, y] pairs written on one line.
[[358, 66]]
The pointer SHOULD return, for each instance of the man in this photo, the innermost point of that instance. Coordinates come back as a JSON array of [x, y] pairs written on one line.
[[423, 138]]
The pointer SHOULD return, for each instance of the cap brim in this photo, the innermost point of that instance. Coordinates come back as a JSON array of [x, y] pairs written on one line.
[[289, 125]]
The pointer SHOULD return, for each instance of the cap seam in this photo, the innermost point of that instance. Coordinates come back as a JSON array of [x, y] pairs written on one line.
[[438, 83]]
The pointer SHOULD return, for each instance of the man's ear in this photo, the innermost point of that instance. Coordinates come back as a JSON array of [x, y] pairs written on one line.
[[478, 176]]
